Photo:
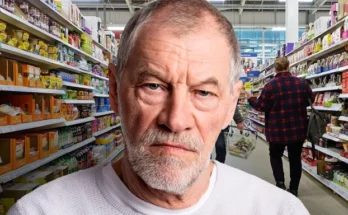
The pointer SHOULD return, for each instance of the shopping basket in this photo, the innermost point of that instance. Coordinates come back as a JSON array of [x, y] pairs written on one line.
[[240, 143]]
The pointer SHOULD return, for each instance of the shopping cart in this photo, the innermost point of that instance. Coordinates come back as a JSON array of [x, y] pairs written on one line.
[[240, 143]]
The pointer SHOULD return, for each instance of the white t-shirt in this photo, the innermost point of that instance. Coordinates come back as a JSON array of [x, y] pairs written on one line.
[[100, 191]]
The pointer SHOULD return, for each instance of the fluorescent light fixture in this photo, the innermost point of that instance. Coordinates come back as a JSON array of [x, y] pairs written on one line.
[[278, 29], [115, 28], [268, 45], [216, 0], [298, 0], [260, 51]]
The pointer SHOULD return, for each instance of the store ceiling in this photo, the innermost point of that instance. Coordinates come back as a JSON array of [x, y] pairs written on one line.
[[227, 5]]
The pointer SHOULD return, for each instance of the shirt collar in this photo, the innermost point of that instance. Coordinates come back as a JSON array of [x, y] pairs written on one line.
[[283, 74]]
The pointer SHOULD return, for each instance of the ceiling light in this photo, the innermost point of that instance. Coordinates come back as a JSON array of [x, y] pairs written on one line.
[[278, 29], [216, 0], [266, 51], [268, 45], [298, 0], [115, 28]]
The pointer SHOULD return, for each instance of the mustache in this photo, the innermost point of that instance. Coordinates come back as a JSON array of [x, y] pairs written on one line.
[[156, 136]]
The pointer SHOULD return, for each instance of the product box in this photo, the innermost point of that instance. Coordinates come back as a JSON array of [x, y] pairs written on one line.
[[3, 119], [19, 153], [33, 153], [37, 72], [53, 141], [3, 71], [39, 102], [341, 8], [28, 75], [40, 177], [12, 70], [19, 76], [321, 24], [333, 13], [6, 158], [40, 140]]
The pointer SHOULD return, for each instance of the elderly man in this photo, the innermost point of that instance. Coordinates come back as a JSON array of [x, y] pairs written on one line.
[[175, 87]]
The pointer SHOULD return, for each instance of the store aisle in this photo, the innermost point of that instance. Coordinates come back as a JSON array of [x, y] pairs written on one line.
[[317, 198]]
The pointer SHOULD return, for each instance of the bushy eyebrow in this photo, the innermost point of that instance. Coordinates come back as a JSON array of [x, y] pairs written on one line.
[[149, 73], [152, 73]]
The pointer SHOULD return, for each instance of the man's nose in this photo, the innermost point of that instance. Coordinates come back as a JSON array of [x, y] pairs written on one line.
[[177, 114]]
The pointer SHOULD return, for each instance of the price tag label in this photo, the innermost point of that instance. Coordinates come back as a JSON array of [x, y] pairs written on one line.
[[247, 86]]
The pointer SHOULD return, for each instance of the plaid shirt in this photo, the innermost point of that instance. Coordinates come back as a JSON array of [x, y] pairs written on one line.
[[284, 101]]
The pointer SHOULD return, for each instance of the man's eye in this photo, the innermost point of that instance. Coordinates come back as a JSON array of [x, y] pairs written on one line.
[[204, 93], [153, 86]]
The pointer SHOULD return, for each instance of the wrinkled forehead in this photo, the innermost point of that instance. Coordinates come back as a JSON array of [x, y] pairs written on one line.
[[202, 43]]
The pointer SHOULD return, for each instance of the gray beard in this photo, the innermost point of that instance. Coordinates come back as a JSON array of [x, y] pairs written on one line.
[[166, 173]]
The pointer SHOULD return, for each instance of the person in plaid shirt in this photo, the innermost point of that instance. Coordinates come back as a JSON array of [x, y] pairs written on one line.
[[284, 101]]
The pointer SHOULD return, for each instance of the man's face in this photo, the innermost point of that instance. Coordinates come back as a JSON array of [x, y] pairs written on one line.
[[174, 97]]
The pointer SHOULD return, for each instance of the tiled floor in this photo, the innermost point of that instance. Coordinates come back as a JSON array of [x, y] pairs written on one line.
[[318, 199]]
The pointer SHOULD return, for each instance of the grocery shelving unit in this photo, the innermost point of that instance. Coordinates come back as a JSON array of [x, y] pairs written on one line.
[[334, 109], [30, 125], [106, 130], [114, 154], [103, 113], [29, 167], [46, 63], [330, 184]]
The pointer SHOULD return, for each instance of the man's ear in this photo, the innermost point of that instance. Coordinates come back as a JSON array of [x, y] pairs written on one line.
[[113, 88], [236, 91]]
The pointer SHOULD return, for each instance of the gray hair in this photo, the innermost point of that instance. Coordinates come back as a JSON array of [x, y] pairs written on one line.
[[184, 15]]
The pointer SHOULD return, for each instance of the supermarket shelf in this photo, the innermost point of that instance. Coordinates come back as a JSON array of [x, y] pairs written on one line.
[[302, 76], [72, 101], [79, 121], [45, 8], [321, 89], [255, 120], [68, 84], [257, 89], [114, 154], [106, 130], [30, 90], [100, 77], [343, 118], [30, 125], [333, 152], [333, 71], [261, 135], [331, 137], [31, 57], [316, 56], [335, 107], [104, 113], [343, 96], [330, 184], [32, 29], [269, 75], [101, 95], [27, 168], [268, 67], [331, 29]]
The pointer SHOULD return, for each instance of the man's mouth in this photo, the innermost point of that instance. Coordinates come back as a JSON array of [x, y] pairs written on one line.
[[173, 146]]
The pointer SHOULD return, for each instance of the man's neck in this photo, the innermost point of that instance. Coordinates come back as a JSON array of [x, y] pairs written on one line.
[[160, 198]]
